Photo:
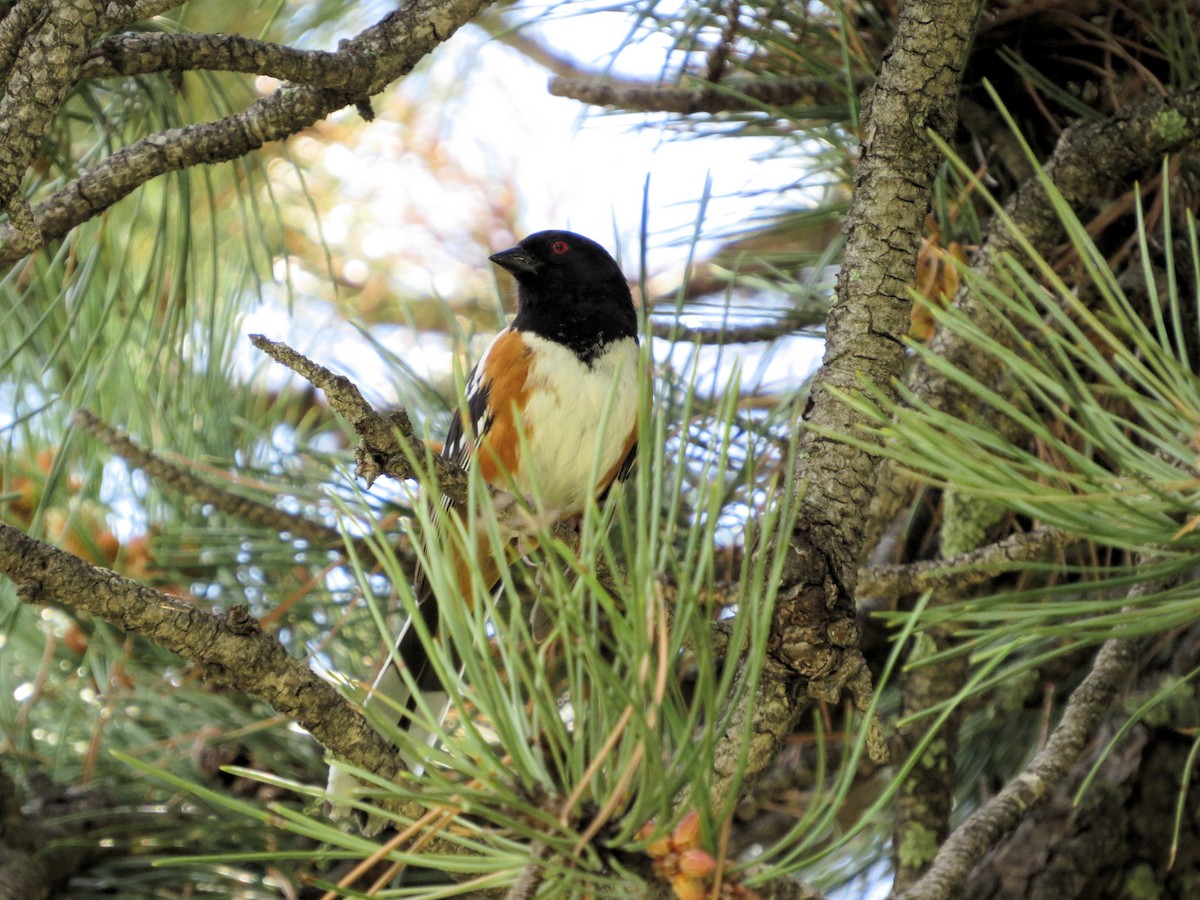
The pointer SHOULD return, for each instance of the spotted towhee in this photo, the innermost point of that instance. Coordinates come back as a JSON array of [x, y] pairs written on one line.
[[550, 413]]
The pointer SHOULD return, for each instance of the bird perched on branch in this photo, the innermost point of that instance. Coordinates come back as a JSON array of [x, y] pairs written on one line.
[[550, 411]]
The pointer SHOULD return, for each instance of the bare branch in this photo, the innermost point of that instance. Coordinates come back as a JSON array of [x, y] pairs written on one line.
[[984, 828], [733, 95], [775, 709], [747, 334], [152, 51], [395, 44], [965, 570], [787, 889], [523, 41], [179, 479], [231, 649], [381, 451]]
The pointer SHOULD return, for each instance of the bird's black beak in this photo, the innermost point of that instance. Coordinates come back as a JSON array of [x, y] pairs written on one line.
[[516, 261]]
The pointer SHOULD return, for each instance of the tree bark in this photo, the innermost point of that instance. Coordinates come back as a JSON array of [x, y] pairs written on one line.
[[369, 62], [815, 634]]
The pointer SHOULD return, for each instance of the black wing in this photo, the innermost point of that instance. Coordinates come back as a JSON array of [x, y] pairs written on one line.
[[457, 449]]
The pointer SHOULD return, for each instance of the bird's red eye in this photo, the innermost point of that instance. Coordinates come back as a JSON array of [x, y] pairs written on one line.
[[559, 247]]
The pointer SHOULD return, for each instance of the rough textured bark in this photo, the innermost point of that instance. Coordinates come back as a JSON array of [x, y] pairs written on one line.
[[46, 56], [1116, 841], [815, 635], [704, 98], [231, 650], [1088, 158], [915, 94], [966, 569], [384, 52], [143, 52], [926, 797], [996, 819], [388, 445]]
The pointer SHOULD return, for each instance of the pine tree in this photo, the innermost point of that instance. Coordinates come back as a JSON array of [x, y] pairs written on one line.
[[929, 615]]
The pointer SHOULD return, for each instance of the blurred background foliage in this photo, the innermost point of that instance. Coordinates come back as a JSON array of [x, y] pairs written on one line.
[[364, 243]]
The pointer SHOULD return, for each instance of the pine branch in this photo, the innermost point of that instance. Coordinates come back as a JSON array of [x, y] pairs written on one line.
[[814, 640], [144, 52], [710, 95], [733, 95], [176, 478], [986, 827], [1089, 157], [870, 318], [380, 54], [966, 569], [46, 47], [814, 629], [231, 649], [747, 334], [775, 708], [388, 445]]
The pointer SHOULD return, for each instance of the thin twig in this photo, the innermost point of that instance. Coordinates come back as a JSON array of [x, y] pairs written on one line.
[[748, 334], [176, 478], [965, 570], [732, 95], [984, 828], [390, 445], [531, 877]]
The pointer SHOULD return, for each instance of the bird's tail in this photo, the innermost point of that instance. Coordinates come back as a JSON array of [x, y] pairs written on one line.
[[413, 656], [391, 691]]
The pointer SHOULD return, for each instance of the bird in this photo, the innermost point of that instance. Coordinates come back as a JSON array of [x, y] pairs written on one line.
[[550, 410]]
